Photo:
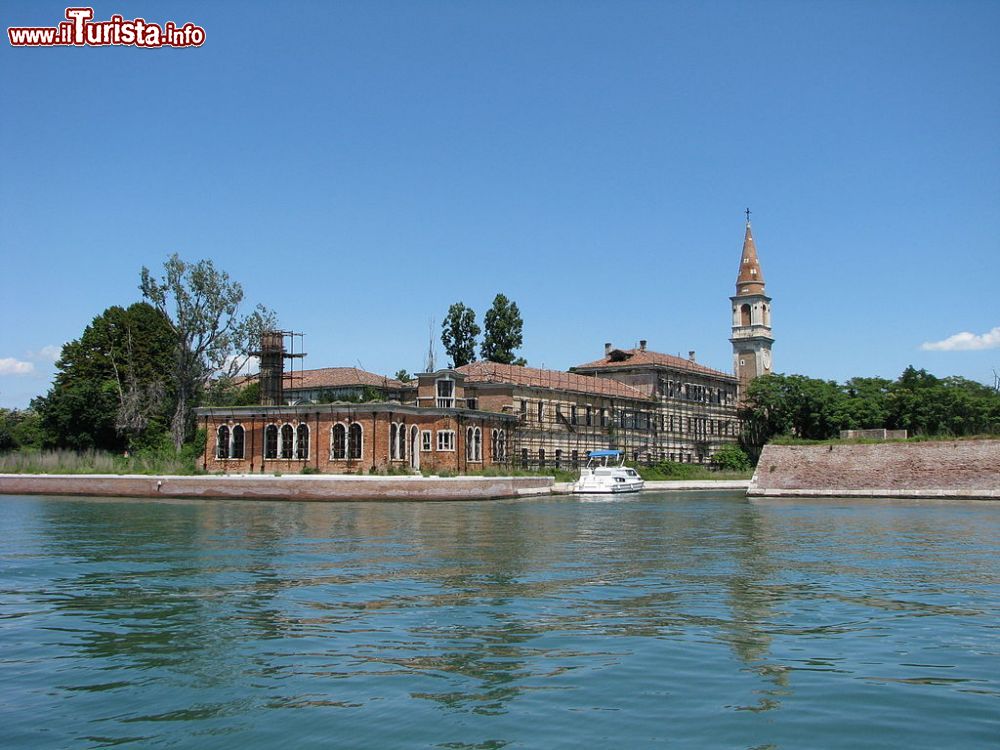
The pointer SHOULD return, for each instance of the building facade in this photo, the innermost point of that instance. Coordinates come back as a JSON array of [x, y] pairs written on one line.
[[653, 406], [377, 437]]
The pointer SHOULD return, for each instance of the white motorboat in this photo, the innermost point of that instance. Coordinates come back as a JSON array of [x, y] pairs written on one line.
[[606, 473]]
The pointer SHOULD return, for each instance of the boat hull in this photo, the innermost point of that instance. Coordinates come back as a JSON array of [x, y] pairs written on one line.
[[617, 488]]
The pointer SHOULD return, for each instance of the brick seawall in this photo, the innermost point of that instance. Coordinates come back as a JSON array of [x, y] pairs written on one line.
[[960, 469], [321, 488]]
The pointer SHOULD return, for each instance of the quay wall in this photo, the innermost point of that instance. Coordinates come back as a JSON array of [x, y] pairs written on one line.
[[954, 468], [256, 487]]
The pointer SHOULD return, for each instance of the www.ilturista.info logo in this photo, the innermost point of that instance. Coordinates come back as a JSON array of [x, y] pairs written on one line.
[[79, 30]]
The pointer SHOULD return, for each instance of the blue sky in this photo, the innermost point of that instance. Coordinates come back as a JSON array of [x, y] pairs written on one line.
[[360, 166]]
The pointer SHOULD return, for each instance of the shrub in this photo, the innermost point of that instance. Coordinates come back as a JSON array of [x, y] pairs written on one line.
[[731, 458]]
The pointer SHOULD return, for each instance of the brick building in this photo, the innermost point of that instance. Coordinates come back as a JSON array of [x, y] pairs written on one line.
[[651, 405], [343, 438]]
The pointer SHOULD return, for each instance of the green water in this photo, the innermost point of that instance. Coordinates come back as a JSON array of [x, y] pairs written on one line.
[[667, 620]]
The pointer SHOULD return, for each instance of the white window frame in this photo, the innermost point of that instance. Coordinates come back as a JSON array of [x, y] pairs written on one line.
[[498, 446], [277, 445], [444, 402], [333, 427], [474, 444], [232, 442], [361, 442], [444, 437], [426, 441], [218, 442], [295, 441]]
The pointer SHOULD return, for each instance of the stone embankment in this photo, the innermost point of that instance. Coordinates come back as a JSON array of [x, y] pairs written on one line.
[[947, 469], [256, 487]]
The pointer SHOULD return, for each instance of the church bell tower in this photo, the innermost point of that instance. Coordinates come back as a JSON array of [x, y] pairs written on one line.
[[751, 337]]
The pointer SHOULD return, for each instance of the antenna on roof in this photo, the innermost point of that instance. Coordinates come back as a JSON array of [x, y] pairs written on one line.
[[430, 346]]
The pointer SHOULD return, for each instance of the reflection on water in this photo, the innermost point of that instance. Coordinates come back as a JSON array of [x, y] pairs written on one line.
[[692, 619]]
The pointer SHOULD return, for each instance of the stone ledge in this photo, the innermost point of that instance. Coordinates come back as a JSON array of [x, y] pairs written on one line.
[[308, 487]]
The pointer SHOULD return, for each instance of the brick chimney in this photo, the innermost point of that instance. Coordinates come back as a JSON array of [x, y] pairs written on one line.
[[642, 345], [691, 355]]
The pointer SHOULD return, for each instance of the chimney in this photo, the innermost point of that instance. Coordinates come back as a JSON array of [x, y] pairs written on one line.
[[691, 355], [607, 348], [642, 345]]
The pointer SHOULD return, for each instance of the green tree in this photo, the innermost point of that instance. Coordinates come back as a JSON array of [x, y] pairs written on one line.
[[458, 334], [865, 404], [789, 405], [731, 458], [228, 391], [20, 428], [503, 332], [402, 376], [110, 390], [202, 307]]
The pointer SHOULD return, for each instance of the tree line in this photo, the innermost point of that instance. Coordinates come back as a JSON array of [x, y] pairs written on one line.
[[503, 333], [917, 401], [134, 377]]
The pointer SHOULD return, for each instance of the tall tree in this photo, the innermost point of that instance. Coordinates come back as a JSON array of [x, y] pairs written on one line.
[[503, 332], [458, 334], [202, 306], [111, 389]]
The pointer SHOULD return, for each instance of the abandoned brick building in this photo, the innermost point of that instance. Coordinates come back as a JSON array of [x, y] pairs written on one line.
[[651, 405]]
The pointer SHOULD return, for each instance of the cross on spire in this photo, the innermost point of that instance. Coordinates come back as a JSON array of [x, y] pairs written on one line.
[[748, 216]]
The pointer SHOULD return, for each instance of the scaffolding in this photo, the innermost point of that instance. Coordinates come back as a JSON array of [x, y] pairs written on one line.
[[275, 348], [559, 425]]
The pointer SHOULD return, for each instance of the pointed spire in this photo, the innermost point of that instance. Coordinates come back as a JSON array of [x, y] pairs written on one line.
[[750, 279]]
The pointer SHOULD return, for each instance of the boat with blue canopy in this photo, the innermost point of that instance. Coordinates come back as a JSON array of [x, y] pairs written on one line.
[[606, 473]]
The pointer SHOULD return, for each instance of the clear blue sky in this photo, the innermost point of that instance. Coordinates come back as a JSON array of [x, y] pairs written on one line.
[[360, 166]]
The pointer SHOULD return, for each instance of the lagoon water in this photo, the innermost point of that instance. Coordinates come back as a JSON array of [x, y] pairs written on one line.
[[664, 620]]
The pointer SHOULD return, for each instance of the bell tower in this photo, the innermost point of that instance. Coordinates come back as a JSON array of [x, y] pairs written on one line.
[[751, 337]]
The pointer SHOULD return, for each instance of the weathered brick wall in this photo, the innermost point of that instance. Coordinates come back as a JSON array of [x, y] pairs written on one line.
[[375, 448], [954, 465]]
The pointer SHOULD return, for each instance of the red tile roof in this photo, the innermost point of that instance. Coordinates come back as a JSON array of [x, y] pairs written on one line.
[[492, 372], [337, 377], [624, 358]]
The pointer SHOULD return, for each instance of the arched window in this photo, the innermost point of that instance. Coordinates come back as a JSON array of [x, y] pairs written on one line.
[[745, 315], [239, 441], [401, 437], [393, 442], [474, 444], [287, 440], [338, 442], [302, 441], [502, 445], [271, 441], [495, 446], [541, 458], [354, 438], [222, 442]]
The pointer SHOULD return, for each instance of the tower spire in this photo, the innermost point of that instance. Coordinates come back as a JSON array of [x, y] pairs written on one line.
[[750, 279], [752, 338]]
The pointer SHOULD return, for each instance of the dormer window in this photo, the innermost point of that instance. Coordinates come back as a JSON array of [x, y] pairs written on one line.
[[446, 394]]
